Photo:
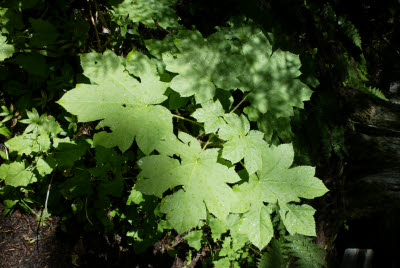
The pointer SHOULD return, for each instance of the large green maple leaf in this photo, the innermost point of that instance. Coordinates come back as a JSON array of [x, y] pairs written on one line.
[[272, 77], [277, 183], [283, 184], [256, 221], [203, 182], [122, 103], [147, 12], [201, 64]]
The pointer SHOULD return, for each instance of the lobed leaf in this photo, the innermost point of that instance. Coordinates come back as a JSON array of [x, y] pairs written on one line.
[[203, 182], [122, 103]]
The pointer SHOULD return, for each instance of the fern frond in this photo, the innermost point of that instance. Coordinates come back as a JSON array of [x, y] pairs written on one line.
[[275, 256], [375, 92], [308, 253], [350, 31], [328, 13]]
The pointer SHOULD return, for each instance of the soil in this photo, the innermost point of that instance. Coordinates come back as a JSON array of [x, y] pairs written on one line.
[[26, 242]]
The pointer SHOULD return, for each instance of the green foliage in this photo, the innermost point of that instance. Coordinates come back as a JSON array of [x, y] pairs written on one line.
[[203, 179], [6, 50], [164, 131], [350, 30], [148, 12], [124, 104], [301, 248]]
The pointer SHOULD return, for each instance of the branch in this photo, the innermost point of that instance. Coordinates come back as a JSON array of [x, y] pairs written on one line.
[[240, 103], [186, 119]]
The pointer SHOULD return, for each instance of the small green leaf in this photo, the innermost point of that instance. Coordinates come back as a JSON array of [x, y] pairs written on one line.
[[45, 166], [211, 115], [298, 219], [194, 239], [242, 142], [257, 225], [16, 174], [29, 143], [218, 227], [3, 155], [6, 50], [4, 131], [135, 197]]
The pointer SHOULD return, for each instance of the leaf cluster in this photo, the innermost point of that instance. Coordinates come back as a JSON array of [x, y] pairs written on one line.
[[117, 116]]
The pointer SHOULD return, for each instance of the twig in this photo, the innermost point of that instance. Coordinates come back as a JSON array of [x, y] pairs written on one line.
[[37, 230], [95, 28], [16, 247], [186, 119], [29, 225], [33, 212], [86, 212], [178, 239], [208, 141], [47, 194], [240, 103], [26, 245]]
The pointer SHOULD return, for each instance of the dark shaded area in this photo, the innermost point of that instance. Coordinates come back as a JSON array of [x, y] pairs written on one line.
[[23, 243]]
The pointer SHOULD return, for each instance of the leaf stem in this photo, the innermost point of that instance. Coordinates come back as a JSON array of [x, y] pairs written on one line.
[[240, 103], [95, 28], [186, 119], [48, 194], [208, 141]]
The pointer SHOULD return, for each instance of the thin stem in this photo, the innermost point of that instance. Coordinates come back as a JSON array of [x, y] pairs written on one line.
[[205, 145], [186, 119], [29, 208], [240, 103], [48, 194], [87, 217], [95, 29]]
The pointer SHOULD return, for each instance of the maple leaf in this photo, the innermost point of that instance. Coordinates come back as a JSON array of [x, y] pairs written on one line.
[[211, 115], [147, 12], [283, 184], [270, 125], [298, 219], [201, 64], [122, 103], [255, 221], [277, 183], [272, 77], [242, 142], [203, 181]]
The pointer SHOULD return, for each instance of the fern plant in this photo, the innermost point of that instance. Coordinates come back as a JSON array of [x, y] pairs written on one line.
[[304, 251]]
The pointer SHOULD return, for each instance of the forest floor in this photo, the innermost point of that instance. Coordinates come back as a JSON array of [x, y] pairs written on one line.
[[26, 242]]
